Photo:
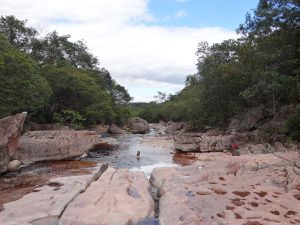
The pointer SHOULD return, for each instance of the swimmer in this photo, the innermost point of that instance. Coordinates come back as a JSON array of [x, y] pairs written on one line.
[[138, 155]]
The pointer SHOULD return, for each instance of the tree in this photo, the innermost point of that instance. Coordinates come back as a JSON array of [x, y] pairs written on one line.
[[18, 34], [22, 88]]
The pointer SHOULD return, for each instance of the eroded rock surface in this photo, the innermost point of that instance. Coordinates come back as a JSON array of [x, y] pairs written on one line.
[[55, 145], [118, 197], [138, 125], [221, 189], [10, 132], [255, 142], [46, 203], [114, 129]]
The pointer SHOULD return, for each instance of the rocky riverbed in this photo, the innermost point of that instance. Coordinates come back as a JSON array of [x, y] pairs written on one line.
[[112, 187]]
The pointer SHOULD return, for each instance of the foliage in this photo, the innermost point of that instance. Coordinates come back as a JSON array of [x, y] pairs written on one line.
[[261, 68], [78, 85], [70, 118], [22, 88]]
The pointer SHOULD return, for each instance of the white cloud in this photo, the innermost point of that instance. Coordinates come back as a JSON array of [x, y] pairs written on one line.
[[138, 56], [181, 13]]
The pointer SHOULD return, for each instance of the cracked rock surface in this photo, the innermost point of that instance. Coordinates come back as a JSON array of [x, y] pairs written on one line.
[[221, 189], [118, 197]]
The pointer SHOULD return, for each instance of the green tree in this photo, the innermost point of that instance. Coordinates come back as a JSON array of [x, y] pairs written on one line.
[[22, 88]]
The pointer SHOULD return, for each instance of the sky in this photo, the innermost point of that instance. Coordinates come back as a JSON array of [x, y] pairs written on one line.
[[146, 45]]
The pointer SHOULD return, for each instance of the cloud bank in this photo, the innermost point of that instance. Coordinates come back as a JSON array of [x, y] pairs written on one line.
[[142, 56]]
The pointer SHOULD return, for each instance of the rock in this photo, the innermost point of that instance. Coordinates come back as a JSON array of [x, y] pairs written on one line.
[[173, 127], [114, 129], [10, 132], [278, 122], [13, 165], [138, 125], [118, 197], [47, 202], [221, 189], [55, 145], [99, 128], [247, 120], [202, 142]]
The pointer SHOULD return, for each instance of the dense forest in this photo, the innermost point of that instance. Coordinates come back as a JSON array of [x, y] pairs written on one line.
[[260, 68], [54, 79]]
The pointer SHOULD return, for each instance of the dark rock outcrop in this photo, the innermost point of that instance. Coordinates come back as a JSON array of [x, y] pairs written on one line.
[[55, 145], [10, 132], [114, 129], [176, 127], [138, 125], [248, 120]]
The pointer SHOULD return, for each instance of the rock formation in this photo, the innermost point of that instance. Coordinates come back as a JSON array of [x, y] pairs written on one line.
[[214, 141], [10, 131], [138, 125], [119, 197], [221, 189], [55, 145], [114, 129]]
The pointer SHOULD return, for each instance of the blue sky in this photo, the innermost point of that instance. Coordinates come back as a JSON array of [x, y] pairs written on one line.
[[201, 13], [146, 45]]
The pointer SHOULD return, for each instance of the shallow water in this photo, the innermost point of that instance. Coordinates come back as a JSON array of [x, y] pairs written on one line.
[[124, 155]]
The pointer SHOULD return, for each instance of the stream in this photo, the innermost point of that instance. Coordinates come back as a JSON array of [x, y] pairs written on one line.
[[152, 153]]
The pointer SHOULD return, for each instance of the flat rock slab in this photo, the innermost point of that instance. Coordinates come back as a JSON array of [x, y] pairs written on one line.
[[45, 204], [221, 189], [118, 197]]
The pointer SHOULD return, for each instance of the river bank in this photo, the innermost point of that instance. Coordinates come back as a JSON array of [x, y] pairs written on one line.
[[111, 187]]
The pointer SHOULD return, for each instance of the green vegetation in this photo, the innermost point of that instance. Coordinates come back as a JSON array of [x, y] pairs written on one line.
[[55, 80], [261, 68]]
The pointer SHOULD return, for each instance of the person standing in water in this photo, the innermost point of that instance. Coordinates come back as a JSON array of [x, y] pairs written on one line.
[[138, 155]]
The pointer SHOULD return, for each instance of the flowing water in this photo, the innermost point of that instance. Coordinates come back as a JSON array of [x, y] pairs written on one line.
[[124, 156]]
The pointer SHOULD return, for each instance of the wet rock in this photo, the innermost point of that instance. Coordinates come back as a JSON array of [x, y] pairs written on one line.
[[99, 128], [221, 189], [55, 145], [13, 165], [10, 132], [46, 203], [118, 197], [138, 125], [114, 129]]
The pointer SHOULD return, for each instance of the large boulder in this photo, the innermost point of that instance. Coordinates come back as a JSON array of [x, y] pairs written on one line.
[[10, 132], [114, 129], [248, 120], [55, 145], [138, 125], [175, 127]]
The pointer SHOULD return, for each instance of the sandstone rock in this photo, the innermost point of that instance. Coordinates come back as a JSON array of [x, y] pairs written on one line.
[[10, 132], [248, 120], [221, 189], [13, 165], [99, 128], [176, 127], [202, 142], [279, 120], [118, 197], [55, 145], [114, 129], [46, 203], [138, 125]]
